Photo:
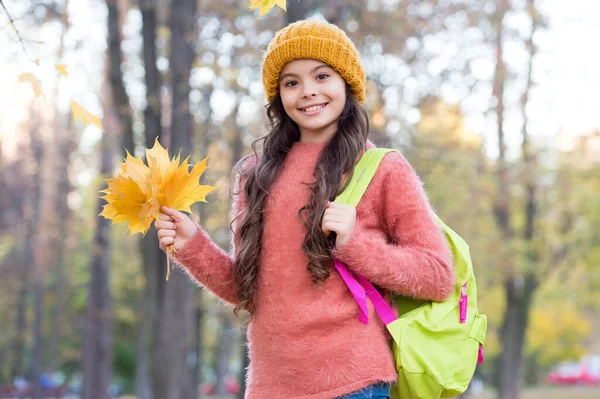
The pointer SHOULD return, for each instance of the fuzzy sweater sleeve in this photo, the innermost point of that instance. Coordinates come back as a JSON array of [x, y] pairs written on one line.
[[207, 263], [412, 257]]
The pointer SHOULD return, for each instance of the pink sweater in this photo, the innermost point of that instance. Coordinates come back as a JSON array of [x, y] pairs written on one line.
[[307, 342]]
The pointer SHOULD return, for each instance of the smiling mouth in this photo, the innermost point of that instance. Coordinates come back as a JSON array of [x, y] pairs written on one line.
[[314, 108]]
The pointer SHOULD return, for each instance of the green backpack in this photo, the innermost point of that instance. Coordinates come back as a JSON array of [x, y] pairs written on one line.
[[436, 345]]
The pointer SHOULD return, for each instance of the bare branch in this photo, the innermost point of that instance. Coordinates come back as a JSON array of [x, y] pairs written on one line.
[[20, 38]]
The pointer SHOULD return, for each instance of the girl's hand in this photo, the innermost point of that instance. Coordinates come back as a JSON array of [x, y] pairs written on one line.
[[340, 218], [174, 227]]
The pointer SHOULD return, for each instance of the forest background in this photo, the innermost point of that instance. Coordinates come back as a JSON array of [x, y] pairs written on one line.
[[494, 102]]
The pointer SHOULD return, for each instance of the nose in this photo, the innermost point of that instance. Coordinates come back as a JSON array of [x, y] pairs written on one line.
[[309, 93]]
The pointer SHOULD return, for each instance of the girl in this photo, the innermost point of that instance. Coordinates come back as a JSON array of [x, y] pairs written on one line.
[[304, 337]]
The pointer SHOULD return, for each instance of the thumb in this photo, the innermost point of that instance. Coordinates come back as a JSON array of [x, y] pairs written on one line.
[[174, 213]]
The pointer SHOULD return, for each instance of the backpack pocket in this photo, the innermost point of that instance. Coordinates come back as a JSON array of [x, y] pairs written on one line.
[[467, 362], [435, 362]]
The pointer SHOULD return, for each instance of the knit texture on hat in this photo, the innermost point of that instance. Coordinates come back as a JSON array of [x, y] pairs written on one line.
[[317, 40]]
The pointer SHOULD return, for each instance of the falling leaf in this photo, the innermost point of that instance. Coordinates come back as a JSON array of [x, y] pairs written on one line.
[[84, 115], [62, 69], [136, 195], [266, 5], [35, 84]]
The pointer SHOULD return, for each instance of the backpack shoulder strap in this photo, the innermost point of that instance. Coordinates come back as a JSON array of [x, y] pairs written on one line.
[[363, 174]]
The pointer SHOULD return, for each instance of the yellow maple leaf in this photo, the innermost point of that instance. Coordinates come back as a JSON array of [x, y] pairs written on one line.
[[127, 202], [136, 195], [266, 5], [84, 115], [62, 69], [35, 84]]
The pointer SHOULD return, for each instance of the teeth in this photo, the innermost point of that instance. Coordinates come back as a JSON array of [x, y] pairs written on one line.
[[315, 108]]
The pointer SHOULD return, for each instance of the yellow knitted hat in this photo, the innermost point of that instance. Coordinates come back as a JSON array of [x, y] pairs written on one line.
[[317, 40]]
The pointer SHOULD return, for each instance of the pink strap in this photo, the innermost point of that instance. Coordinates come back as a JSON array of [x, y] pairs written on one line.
[[356, 289], [362, 289], [463, 302], [381, 306]]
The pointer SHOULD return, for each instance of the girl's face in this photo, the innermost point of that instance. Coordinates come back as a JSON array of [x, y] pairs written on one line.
[[313, 95]]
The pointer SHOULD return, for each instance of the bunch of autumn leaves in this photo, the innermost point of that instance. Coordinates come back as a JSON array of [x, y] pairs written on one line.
[[136, 195]]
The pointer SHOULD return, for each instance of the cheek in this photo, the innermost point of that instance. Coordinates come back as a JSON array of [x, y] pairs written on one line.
[[341, 101], [288, 103]]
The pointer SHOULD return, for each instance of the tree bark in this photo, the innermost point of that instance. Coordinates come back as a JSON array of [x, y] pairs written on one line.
[[120, 98], [502, 205], [64, 148], [175, 310], [97, 364], [30, 211], [245, 364], [519, 288], [64, 214], [296, 10], [41, 253], [151, 253], [224, 354], [97, 361]]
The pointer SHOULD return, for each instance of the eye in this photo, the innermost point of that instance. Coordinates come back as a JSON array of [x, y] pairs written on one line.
[[288, 83], [323, 75]]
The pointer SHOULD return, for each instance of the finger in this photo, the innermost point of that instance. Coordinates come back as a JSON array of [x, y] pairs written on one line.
[[175, 214], [166, 241], [334, 218], [166, 233], [336, 214], [162, 216], [333, 211], [335, 205], [159, 224], [330, 226]]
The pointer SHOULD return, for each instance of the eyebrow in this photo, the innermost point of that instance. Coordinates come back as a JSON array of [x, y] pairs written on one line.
[[311, 71]]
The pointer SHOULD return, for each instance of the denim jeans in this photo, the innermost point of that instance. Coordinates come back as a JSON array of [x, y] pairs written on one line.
[[375, 391]]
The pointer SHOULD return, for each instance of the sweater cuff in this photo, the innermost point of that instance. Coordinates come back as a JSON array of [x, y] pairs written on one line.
[[355, 247], [196, 245]]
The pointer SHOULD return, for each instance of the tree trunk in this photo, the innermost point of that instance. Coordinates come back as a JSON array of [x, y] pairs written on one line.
[[224, 354], [36, 358], [63, 212], [97, 361], [519, 290], [502, 206], [296, 10], [151, 253], [42, 253], [245, 364], [175, 310], [152, 119], [198, 347], [120, 98], [97, 365], [519, 293], [61, 209], [146, 309], [30, 211]]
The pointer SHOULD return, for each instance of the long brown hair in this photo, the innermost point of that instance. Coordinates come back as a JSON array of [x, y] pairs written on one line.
[[336, 160]]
